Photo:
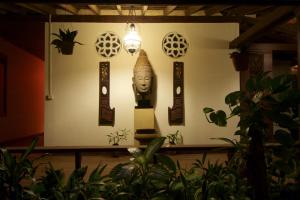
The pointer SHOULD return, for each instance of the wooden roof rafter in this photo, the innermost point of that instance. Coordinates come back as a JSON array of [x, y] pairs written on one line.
[[12, 8], [270, 21], [211, 10], [69, 8], [95, 9], [190, 10], [169, 9]]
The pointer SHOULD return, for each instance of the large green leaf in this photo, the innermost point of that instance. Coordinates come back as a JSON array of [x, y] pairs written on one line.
[[29, 149], [232, 142], [153, 147], [95, 175], [219, 118], [233, 98], [207, 110], [167, 161], [121, 171]]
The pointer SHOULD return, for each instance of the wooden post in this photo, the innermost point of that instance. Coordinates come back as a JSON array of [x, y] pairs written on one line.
[[297, 13]]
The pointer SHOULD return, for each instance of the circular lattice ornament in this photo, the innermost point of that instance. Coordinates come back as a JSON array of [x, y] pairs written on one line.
[[174, 45], [108, 44]]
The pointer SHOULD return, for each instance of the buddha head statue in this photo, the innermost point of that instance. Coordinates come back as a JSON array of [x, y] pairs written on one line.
[[142, 80], [142, 74]]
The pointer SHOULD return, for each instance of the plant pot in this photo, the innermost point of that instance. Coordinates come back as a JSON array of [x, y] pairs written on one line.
[[67, 47], [240, 61]]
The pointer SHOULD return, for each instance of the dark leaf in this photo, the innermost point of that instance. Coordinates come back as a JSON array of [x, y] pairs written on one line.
[[167, 161], [232, 98], [153, 147], [207, 110]]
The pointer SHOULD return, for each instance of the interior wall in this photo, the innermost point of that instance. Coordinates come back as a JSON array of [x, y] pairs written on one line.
[[25, 95], [71, 118]]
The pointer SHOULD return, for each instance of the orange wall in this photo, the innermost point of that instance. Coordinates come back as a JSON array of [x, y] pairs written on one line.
[[25, 94]]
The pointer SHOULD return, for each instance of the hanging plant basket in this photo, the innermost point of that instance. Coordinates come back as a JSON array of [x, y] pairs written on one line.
[[67, 48], [65, 41], [240, 61]]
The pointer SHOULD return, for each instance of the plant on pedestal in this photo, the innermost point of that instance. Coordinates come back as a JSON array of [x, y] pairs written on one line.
[[116, 137], [175, 138]]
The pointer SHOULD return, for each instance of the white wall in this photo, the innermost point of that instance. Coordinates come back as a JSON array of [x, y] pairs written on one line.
[[71, 118]]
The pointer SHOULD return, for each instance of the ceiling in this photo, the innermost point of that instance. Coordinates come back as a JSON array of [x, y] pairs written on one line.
[[259, 23]]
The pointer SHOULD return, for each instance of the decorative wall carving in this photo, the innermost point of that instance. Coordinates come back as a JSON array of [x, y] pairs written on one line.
[[108, 45], [256, 63], [174, 45], [176, 113], [106, 114]]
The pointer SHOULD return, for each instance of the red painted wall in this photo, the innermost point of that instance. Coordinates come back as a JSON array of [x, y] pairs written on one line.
[[25, 94]]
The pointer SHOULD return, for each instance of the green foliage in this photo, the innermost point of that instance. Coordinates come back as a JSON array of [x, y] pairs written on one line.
[[266, 100], [53, 187], [14, 170], [146, 176], [63, 38], [116, 137]]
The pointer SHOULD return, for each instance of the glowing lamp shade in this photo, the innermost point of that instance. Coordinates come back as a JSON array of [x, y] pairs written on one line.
[[132, 40]]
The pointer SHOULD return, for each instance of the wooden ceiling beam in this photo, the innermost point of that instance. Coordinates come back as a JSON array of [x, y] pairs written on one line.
[[46, 8], [70, 8], [30, 7], [122, 19], [145, 19], [169, 9], [272, 47], [247, 10], [179, 2], [268, 22], [95, 9], [211, 10], [12, 8], [192, 9]]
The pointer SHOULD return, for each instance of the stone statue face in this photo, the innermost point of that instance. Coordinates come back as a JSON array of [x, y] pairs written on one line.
[[142, 79]]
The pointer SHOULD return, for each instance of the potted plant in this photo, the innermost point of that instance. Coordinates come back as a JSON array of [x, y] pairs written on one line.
[[116, 137], [175, 138], [65, 41]]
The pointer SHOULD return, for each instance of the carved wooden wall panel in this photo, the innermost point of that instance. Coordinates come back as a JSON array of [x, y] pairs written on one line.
[[106, 114], [176, 113]]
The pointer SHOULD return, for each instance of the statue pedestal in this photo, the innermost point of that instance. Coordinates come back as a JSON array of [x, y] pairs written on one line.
[[144, 125]]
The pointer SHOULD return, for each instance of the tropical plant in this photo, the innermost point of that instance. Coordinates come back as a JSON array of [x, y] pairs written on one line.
[[53, 187], [14, 171], [175, 138], [146, 176], [65, 41], [266, 100], [116, 137]]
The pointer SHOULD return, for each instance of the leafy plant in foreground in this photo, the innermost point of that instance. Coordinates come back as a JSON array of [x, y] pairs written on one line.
[[14, 171], [265, 100]]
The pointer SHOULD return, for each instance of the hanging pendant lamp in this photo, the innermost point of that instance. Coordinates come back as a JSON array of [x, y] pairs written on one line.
[[132, 40]]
